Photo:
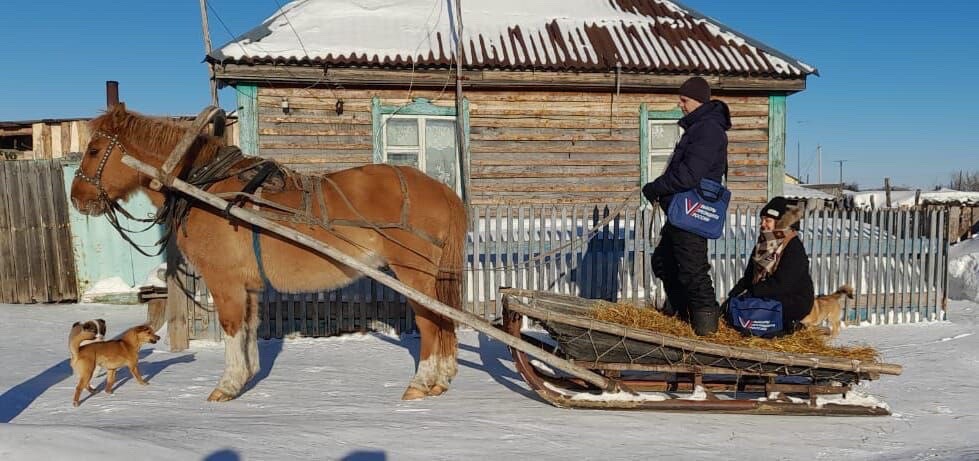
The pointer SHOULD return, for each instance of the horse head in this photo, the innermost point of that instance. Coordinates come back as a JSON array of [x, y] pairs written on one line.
[[101, 177]]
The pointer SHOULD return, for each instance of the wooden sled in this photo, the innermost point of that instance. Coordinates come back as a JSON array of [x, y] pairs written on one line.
[[655, 371]]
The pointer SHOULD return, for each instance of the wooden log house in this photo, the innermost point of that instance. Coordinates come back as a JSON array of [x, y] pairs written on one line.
[[571, 102]]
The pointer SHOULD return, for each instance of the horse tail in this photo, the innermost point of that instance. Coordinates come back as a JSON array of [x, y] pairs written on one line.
[[448, 285]]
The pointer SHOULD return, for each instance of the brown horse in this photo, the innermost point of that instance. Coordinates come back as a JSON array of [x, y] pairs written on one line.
[[424, 247]]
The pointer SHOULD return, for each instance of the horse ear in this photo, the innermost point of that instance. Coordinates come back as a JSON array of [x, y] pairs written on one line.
[[116, 115]]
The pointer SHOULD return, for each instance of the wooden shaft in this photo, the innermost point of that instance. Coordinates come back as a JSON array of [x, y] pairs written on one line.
[[460, 316], [180, 150]]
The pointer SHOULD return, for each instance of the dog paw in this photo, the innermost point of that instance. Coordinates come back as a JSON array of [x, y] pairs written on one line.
[[143, 383], [75, 403]]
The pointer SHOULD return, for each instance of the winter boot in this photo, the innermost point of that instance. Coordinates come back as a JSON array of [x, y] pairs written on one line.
[[704, 322], [682, 313]]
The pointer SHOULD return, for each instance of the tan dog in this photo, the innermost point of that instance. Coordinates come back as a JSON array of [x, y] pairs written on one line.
[[829, 308], [110, 355]]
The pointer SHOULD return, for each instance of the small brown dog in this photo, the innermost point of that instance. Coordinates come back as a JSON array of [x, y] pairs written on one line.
[[110, 355], [829, 308]]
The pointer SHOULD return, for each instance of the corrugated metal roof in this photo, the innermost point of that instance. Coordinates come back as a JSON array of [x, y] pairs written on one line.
[[646, 36]]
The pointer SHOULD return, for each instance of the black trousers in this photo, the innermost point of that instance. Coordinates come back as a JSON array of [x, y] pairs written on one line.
[[680, 261]]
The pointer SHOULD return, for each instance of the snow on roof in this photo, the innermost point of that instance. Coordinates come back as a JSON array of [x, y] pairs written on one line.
[[906, 198], [796, 191], [640, 35]]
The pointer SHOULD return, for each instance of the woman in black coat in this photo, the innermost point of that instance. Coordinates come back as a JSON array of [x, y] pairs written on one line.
[[779, 267]]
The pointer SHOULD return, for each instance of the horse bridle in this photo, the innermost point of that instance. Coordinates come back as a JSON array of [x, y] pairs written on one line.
[[97, 179]]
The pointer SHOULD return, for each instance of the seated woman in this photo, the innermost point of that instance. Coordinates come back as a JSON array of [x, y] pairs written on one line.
[[779, 267]]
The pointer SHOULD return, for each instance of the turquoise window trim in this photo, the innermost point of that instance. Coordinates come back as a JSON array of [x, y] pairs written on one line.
[[419, 106], [645, 115], [248, 118], [776, 145]]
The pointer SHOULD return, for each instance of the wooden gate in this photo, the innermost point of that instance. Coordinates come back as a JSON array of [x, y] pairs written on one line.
[[37, 263]]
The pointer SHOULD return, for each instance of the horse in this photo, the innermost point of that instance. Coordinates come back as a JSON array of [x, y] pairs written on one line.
[[383, 215]]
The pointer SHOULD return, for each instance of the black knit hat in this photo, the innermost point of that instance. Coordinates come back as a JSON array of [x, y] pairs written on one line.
[[775, 208], [696, 88]]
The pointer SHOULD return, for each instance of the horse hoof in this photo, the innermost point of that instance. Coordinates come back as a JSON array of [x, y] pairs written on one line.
[[219, 396], [436, 390], [413, 394]]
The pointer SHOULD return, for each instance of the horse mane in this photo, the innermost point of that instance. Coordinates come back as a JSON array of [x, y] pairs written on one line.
[[155, 135]]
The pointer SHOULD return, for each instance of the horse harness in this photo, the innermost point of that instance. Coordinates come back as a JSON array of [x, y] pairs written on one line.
[[97, 179], [260, 175]]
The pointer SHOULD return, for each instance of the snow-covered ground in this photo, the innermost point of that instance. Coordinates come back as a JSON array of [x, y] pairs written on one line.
[[338, 398]]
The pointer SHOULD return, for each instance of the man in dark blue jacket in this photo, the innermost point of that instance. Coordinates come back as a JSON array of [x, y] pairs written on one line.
[[680, 259]]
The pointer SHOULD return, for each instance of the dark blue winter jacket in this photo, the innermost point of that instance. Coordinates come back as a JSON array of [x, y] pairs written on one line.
[[701, 153]]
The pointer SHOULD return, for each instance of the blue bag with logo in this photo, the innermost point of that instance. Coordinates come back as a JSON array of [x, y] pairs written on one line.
[[701, 210], [756, 316]]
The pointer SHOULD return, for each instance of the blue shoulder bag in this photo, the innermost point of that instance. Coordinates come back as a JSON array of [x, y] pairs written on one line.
[[756, 316], [701, 210]]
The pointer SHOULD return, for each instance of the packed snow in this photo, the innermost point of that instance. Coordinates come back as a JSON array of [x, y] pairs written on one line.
[[963, 270], [106, 287], [338, 398]]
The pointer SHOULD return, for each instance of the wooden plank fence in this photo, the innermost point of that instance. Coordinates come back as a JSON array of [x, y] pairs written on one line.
[[895, 259], [37, 263]]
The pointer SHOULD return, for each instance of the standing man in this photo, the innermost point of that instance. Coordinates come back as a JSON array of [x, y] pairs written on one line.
[[680, 258]]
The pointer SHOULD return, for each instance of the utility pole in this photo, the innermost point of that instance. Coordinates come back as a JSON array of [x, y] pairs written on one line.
[[207, 50], [460, 136], [798, 153], [819, 164], [841, 162]]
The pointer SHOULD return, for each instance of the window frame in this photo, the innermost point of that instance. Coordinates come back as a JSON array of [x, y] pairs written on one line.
[[646, 118], [418, 108]]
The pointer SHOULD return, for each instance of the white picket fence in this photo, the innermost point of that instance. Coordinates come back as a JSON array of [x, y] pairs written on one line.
[[896, 260]]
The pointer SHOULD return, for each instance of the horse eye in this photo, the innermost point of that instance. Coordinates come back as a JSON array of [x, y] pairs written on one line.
[[93, 151]]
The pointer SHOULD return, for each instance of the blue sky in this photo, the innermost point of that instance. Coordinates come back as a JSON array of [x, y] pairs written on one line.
[[895, 96]]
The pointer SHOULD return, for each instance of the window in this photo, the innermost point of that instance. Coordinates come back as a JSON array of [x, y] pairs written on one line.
[[663, 136], [421, 135], [426, 143], [658, 135]]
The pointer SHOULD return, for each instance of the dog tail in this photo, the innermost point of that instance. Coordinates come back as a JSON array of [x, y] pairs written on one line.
[[78, 334], [100, 328], [844, 290]]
